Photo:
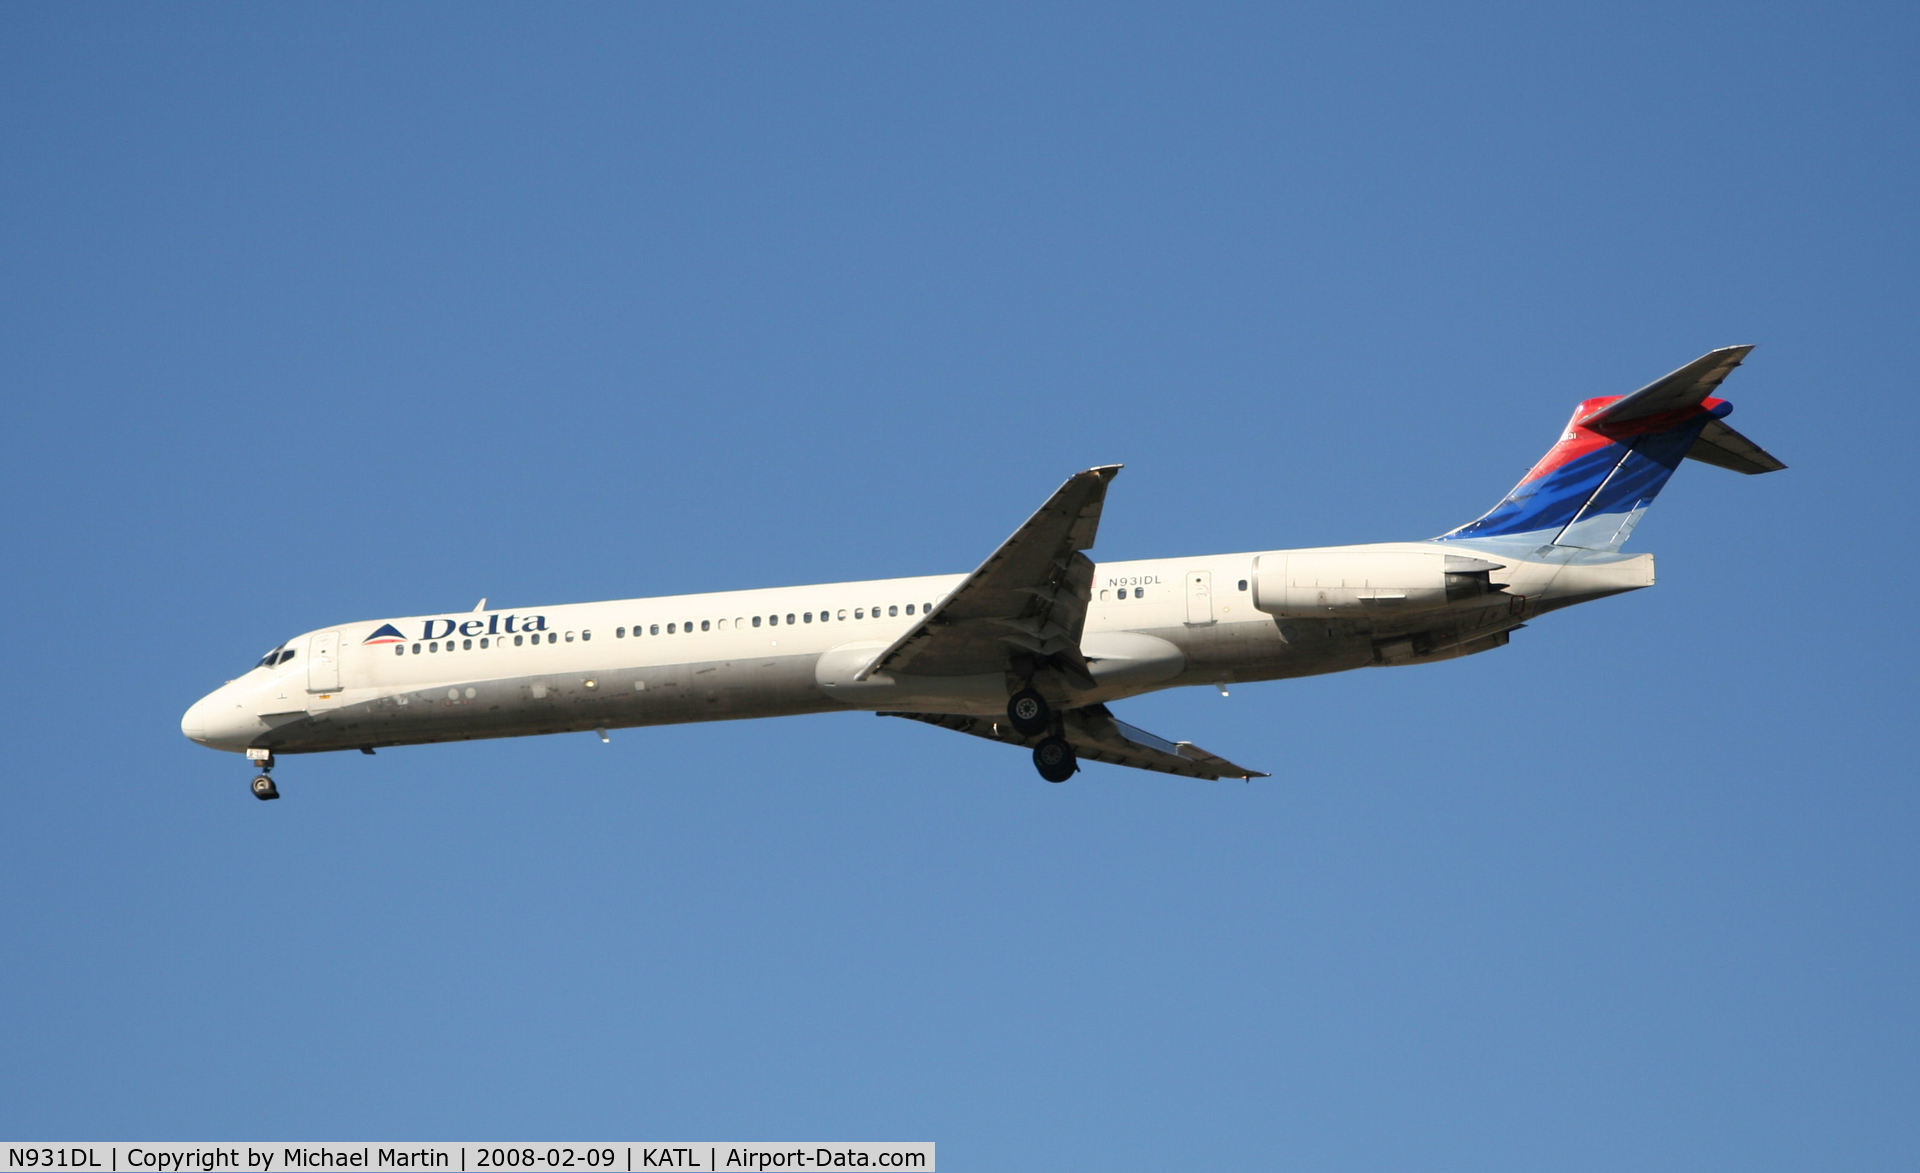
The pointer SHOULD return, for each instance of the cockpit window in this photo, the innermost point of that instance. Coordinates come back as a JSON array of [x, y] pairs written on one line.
[[279, 655]]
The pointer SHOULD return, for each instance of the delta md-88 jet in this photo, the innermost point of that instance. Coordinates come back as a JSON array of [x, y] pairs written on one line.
[[1029, 649]]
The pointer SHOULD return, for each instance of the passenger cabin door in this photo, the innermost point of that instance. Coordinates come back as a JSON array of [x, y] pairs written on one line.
[[323, 662], [1199, 596]]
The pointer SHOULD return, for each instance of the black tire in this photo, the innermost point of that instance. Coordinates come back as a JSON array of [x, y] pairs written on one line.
[[1029, 712], [1055, 759], [264, 789]]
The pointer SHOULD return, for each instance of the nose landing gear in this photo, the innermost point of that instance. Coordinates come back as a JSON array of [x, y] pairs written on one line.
[[263, 787]]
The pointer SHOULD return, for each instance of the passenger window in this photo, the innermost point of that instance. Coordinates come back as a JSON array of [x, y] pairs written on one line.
[[806, 617], [773, 621], [621, 632], [416, 649], [553, 637], [399, 649], [859, 612], [909, 608], [894, 610], [789, 619], [669, 629], [585, 636], [704, 624], [569, 637], [517, 639], [926, 608], [654, 629], [1103, 596], [466, 645], [1139, 592], [723, 625], [1243, 584], [434, 646], [483, 642], [842, 614], [756, 621]]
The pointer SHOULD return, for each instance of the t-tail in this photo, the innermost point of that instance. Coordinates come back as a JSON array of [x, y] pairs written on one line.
[[1589, 490]]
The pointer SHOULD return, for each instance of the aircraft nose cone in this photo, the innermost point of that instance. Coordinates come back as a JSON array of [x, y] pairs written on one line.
[[193, 724], [219, 721]]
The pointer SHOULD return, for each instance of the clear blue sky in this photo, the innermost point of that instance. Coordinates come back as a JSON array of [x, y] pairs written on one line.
[[313, 315]]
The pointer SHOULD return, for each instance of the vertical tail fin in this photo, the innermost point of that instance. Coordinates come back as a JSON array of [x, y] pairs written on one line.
[[1616, 454]]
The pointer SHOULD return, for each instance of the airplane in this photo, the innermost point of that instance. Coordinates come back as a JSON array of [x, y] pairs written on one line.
[[1031, 649]]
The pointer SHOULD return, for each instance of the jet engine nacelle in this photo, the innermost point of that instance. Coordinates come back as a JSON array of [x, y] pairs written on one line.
[[1359, 580]]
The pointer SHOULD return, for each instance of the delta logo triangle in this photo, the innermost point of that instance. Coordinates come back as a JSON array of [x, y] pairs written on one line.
[[388, 634]]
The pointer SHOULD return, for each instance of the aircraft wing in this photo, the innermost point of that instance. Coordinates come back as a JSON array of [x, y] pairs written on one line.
[[1029, 598], [1096, 733]]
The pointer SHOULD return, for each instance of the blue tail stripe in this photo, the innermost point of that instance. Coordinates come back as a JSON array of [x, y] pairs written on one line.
[[1557, 499], [1548, 503]]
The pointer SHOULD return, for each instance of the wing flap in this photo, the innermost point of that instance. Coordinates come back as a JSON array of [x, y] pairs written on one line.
[[1097, 735]]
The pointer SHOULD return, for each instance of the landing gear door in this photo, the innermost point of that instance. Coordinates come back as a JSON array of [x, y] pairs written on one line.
[[323, 662], [1199, 596]]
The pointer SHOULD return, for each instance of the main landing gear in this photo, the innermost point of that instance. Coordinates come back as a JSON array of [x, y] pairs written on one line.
[[263, 787], [1055, 759], [1029, 713]]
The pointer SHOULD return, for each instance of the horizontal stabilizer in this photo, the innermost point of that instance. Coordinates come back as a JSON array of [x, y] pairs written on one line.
[[1721, 446], [1684, 388], [1614, 456]]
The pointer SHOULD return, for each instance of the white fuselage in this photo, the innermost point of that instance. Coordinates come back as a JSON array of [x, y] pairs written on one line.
[[1151, 624]]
